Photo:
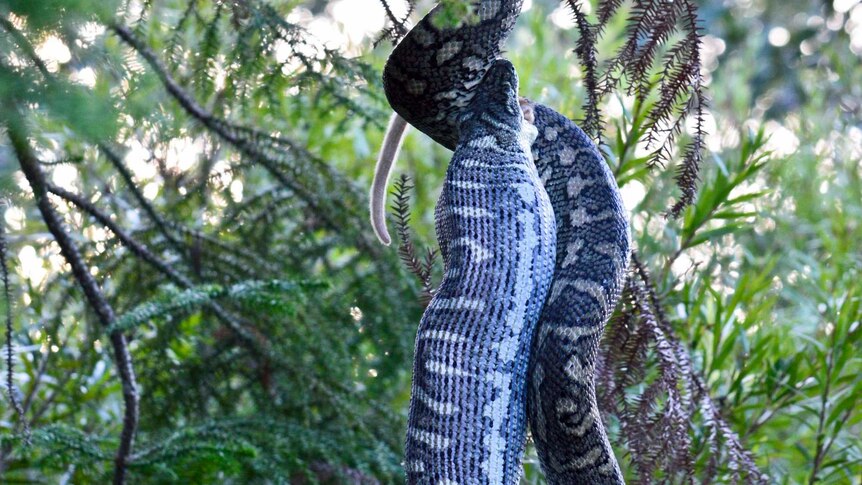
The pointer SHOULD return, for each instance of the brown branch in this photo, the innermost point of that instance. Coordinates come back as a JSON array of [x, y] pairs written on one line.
[[105, 313], [700, 390], [606, 10], [15, 404], [399, 26], [159, 221], [651, 26], [406, 248], [7, 295], [585, 48]]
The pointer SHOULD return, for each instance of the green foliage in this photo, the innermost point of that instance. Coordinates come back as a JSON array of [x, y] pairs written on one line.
[[90, 114], [48, 15], [268, 296], [453, 13], [272, 338]]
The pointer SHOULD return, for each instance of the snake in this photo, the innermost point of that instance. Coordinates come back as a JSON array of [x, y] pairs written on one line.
[[540, 362]]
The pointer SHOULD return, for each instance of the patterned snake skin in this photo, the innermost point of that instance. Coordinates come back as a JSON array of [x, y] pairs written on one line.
[[459, 431], [496, 232]]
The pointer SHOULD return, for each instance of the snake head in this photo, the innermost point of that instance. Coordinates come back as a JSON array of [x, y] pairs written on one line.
[[498, 94], [497, 109]]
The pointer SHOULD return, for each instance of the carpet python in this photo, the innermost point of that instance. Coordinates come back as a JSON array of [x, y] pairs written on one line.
[[484, 365]]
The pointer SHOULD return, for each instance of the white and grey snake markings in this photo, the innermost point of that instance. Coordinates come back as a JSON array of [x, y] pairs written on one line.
[[480, 367]]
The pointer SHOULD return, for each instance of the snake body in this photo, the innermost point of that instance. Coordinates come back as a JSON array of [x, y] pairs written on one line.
[[497, 237], [592, 257], [431, 79]]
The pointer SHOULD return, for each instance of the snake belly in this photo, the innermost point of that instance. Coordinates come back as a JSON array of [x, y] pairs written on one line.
[[430, 78], [496, 229]]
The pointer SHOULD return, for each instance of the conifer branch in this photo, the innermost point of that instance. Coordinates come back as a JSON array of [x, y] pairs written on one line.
[[421, 268], [11, 391], [105, 313], [126, 175], [399, 28], [25, 45], [656, 422], [651, 25], [606, 10], [250, 338], [586, 50], [694, 385], [251, 143]]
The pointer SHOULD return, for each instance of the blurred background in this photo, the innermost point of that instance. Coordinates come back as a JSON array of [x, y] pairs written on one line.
[[210, 160]]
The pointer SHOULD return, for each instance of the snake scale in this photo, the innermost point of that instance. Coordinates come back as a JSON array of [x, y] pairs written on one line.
[[497, 347]]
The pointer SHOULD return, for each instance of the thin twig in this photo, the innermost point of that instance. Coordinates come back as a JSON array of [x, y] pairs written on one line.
[[422, 269], [399, 26], [700, 389], [10, 388], [7, 296], [585, 48], [159, 221], [820, 449]]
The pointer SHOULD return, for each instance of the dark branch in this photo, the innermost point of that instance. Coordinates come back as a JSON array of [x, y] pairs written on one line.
[[651, 25], [158, 220], [25, 45], [11, 392], [105, 313], [740, 458], [250, 338], [243, 139], [398, 29], [586, 51]]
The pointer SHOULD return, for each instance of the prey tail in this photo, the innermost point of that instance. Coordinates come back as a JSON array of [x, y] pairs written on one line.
[[385, 163]]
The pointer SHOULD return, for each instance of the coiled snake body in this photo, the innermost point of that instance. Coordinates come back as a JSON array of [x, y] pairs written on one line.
[[477, 355]]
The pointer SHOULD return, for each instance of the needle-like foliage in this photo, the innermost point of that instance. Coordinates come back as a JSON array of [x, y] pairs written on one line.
[[192, 292]]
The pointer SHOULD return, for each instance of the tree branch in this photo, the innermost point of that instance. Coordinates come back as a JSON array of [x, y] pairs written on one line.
[[15, 404], [140, 250], [25, 45], [737, 451], [105, 313], [585, 48], [159, 221], [236, 136], [399, 26]]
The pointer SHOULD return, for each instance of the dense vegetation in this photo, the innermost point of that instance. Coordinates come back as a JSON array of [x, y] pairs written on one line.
[[193, 292]]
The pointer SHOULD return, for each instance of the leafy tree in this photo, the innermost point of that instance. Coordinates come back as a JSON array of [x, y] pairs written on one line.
[[192, 291]]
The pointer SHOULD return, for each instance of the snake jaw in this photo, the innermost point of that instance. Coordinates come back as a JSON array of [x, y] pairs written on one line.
[[528, 135], [529, 132], [391, 147], [527, 109]]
